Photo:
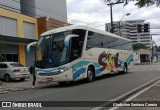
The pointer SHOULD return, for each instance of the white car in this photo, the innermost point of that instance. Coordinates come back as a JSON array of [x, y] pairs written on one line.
[[13, 71]]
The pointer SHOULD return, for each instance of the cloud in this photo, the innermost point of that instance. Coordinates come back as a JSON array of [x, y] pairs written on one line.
[[97, 13]]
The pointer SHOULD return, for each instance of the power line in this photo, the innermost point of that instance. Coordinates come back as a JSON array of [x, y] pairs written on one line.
[[54, 23], [53, 12], [31, 13]]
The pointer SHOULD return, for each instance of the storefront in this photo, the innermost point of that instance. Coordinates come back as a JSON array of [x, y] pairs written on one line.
[[11, 50], [16, 31], [142, 56]]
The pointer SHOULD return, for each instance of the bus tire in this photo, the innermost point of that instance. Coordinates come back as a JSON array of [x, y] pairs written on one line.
[[90, 74], [125, 70]]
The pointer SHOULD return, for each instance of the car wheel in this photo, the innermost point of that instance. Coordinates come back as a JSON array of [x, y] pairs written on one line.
[[22, 79], [62, 83], [125, 68], [90, 75], [7, 78]]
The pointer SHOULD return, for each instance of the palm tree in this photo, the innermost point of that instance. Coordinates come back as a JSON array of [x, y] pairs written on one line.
[[139, 3], [142, 3]]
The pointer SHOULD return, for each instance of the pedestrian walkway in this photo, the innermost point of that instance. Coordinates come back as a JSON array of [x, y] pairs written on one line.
[[17, 85], [152, 94], [150, 67], [27, 84], [145, 69]]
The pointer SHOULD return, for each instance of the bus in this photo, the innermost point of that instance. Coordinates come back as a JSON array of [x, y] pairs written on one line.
[[78, 52]]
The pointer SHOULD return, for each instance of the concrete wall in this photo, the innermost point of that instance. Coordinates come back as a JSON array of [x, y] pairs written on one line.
[[139, 53], [9, 3], [45, 24], [56, 9], [20, 19], [28, 7]]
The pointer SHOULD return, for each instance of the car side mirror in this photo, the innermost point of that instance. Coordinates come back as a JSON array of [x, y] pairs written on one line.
[[29, 45], [67, 39]]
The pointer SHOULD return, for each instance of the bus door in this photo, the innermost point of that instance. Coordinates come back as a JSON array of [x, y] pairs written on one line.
[[76, 59]]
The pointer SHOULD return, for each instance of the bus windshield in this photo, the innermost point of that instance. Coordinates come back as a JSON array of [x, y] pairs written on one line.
[[51, 51]]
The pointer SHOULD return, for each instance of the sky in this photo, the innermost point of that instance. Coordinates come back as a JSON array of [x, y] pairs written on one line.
[[96, 13]]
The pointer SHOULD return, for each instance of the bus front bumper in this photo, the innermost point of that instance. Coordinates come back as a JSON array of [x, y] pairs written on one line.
[[55, 78]]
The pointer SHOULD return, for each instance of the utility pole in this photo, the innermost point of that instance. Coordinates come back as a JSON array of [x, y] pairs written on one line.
[[111, 4], [152, 57]]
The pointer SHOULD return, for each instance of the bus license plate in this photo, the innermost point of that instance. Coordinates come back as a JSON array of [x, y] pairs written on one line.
[[49, 79]]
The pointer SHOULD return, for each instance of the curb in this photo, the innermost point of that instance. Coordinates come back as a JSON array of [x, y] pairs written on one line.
[[126, 95], [7, 90]]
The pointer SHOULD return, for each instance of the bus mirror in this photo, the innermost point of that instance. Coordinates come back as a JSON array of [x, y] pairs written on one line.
[[67, 39], [29, 45]]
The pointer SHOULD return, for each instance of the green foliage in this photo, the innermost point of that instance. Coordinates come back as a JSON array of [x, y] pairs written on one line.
[[139, 46], [139, 3], [157, 48], [142, 3]]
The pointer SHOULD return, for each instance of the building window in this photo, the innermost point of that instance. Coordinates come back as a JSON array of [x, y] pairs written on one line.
[[146, 28], [29, 30], [9, 57], [139, 27], [8, 26]]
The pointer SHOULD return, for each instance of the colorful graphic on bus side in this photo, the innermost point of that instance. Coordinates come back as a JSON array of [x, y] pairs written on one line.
[[108, 61]]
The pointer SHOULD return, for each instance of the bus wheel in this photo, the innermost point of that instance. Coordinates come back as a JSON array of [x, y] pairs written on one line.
[[125, 68], [90, 75]]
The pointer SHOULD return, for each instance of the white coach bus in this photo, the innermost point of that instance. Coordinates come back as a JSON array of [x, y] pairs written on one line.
[[77, 52]]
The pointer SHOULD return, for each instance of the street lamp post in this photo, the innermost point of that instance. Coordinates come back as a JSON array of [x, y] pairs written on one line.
[[119, 25], [152, 49], [111, 4], [152, 57]]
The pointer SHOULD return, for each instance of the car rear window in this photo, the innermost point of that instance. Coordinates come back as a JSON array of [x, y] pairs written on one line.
[[14, 65]]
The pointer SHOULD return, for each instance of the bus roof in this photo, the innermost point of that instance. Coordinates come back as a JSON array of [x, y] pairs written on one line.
[[85, 27]]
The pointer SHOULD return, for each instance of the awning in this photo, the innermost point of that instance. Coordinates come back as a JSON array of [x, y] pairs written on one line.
[[16, 40]]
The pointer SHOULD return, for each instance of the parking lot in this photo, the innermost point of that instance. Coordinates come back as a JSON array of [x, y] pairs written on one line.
[[15, 85], [18, 85]]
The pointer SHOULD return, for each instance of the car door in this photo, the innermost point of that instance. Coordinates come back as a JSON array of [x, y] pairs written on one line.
[[3, 69], [1, 72]]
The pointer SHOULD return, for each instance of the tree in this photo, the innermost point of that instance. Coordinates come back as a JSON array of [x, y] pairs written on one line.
[[157, 48], [139, 3], [139, 46]]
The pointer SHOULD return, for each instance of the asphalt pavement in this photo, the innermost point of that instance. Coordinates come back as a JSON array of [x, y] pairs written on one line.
[[149, 99], [103, 88]]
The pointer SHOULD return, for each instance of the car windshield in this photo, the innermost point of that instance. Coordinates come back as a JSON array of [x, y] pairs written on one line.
[[51, 51], [15, 65]]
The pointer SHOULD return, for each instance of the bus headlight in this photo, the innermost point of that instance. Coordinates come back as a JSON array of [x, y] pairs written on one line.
[[62, 69]]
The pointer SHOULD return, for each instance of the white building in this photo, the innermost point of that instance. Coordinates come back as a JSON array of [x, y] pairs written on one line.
[[137, 31]]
